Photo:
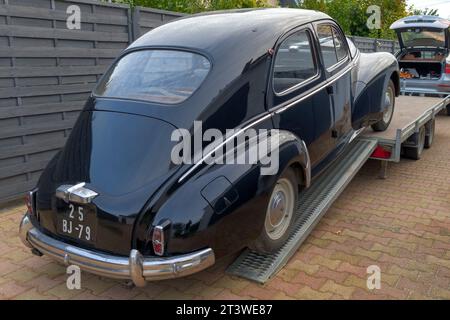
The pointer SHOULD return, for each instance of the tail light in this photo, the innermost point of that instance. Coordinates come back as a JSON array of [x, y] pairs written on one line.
[[447, 67], [158, 240], [30, 201]]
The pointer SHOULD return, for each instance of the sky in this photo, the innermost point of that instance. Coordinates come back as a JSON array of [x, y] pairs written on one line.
[[442, 5]]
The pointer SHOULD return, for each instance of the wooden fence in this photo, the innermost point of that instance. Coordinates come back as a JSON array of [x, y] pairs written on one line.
[[46, 73]]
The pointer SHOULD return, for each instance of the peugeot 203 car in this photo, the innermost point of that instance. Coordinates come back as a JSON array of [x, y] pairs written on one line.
[[112, 201]]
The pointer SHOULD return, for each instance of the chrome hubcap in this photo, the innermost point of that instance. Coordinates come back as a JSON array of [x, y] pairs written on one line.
[[389, 102], [280, 210], [277, 209]]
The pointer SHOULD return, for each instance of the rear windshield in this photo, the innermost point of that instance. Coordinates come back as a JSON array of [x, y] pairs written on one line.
[[161, 76], [423, 38]]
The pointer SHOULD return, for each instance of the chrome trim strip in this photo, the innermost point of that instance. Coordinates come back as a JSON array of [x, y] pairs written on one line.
[[272, 111], [308, 166], [339, 64], [280, 108], [136, 267], [202, 160]]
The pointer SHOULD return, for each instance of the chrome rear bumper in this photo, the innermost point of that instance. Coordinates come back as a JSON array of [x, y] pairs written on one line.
[[136, 267]]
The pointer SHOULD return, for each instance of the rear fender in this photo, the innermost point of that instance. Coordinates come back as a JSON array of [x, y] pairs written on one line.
[[223, 206]]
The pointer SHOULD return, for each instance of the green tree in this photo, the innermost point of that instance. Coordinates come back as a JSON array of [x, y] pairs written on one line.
[[424, 12], [195, 6], [352, 14]]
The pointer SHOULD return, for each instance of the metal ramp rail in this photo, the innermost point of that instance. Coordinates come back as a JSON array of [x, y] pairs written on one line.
[[313, 204]]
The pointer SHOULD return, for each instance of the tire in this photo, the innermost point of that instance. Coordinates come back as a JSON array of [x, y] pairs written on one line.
[[448, 110], [280, 212], [415, 153], [388, 113], [430, 129]]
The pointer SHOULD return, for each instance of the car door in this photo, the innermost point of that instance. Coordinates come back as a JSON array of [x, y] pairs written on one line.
[[297, 93], [338, 64]]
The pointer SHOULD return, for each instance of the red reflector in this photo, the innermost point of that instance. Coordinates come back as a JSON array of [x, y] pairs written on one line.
[[158, 240], [381, 153], [447, 68]]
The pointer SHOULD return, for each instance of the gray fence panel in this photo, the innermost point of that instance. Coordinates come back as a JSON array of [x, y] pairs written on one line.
[[47, 71], [145, 19], [368, 45]]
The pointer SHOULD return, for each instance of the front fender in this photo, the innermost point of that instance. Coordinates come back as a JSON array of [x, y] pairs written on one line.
[[374, 70]]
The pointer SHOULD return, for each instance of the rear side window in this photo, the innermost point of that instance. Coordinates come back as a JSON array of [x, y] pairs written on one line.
[[331, 44], [294, 62], [161, 76]]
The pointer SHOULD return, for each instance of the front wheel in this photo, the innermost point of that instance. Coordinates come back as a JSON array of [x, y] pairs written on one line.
[[388, 113], [279, 214]]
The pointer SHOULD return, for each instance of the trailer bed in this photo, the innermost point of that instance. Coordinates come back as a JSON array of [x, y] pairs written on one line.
[[407, 110], [411, 113]]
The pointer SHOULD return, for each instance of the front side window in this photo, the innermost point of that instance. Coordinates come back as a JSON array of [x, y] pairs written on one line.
[[331, 44], [294, 62], [341, 50], [160, 76]]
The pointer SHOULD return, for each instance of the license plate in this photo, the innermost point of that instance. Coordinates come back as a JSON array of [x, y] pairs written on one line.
[[78, 222]]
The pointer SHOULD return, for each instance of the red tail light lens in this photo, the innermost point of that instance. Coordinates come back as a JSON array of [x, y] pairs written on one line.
[[447, 68], [30, 202], [158, 240]]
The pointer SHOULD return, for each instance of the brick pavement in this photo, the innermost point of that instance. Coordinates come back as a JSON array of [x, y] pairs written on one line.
[[401, 224]]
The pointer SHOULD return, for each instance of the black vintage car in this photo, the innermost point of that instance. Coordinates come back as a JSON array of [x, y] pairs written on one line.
[[114, 203]]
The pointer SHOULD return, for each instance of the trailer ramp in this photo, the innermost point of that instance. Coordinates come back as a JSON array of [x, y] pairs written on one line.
[[313, 204]]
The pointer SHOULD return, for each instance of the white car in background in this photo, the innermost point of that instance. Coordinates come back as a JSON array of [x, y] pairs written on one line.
[[424, 57]]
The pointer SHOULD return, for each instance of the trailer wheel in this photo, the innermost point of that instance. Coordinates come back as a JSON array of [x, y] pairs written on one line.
[[416, 151], [430, 129], [388, 112], [279, 214]]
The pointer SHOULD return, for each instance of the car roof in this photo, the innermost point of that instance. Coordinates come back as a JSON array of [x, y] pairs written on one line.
[[216, 31], [422, 22]]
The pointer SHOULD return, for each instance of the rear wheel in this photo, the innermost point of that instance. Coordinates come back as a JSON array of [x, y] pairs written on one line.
[[388, 113], [279, 214], [430, 129], [415, 152], [448, 110]]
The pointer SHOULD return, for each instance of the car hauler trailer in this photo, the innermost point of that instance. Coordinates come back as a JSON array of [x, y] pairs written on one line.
[[411, 130]]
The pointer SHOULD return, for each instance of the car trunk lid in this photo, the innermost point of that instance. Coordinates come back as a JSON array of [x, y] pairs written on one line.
[[124, 158], [422, 32]]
